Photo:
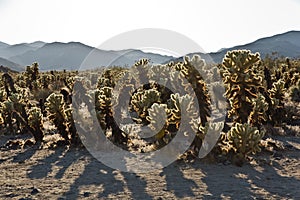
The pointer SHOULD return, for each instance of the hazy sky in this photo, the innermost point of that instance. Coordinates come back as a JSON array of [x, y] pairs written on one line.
[[212, 24]]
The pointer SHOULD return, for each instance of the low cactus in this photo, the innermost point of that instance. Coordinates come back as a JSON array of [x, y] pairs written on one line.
[[244, 140]]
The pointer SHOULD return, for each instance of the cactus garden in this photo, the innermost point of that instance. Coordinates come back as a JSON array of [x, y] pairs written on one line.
[[39, 113]]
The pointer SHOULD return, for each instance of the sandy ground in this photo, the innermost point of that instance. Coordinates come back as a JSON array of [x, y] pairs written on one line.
[[61, 173]]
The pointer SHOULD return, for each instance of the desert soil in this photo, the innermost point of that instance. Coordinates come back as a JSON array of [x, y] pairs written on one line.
[[71, 173]]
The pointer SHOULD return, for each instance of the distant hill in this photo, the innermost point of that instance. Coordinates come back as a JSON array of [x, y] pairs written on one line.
[[3, 45], [285, 44], [9, 51], [71, 55], [13, 66]]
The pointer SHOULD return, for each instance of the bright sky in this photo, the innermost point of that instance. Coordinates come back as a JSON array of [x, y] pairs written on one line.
[[213, 24]]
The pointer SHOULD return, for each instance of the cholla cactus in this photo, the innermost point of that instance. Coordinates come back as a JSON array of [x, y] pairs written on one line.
[[103, 104], [194, 70], [72, 127], [166, 119], [44, 81], [31, 74], [240, 72], [3, 95], [142, 100], [55, 107], [277, 106], [140, 67], [158, 119], [35, 121], [106, 80], [258, 114], [295, 92], [267, 77], [20, 101], [192, 122], [15, 106], [8, 83], [7, 108], [244, 139]]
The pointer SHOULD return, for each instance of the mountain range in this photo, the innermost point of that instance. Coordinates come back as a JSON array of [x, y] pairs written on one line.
[[70, 56]]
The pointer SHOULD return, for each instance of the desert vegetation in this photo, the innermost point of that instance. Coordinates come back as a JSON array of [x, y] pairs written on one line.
[[262, 99]]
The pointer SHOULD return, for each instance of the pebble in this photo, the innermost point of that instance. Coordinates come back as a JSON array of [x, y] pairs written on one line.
[[86, 194], [34, 191]]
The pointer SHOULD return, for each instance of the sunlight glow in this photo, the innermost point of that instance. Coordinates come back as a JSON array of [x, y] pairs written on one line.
[[212, 24]]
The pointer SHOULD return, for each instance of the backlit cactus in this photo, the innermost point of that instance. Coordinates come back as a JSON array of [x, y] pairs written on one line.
[[7, 108], [55, 108], [103, 105], [277, 105], [31, 76], [242, 80], [8, 83], [158, 120], [295, 92], [142, 100], [159, 100], [194, 70], [259, 113], [35, 121], [244, 140]]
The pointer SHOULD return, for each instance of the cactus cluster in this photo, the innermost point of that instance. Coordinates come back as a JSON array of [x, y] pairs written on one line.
[[162, 99], [256, 92], [23, 97]]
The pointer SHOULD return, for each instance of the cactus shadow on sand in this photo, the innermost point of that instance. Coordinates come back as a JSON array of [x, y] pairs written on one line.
[[99, 175], [250, 181]]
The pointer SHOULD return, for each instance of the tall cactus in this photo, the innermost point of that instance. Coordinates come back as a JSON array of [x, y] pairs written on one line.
[[55, 107], [242, 80], [192, 69], [103, 104]]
